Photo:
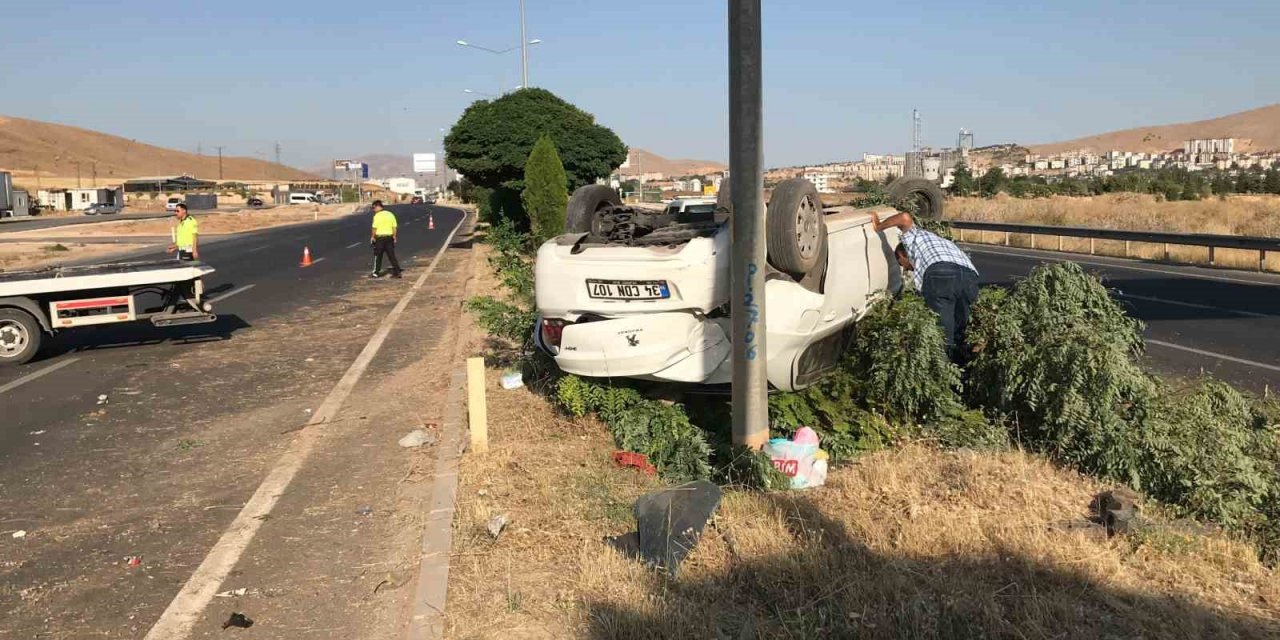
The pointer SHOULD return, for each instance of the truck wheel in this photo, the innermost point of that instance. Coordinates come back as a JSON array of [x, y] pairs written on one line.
[[920, 197], [795, 231], [585, 204], [20, 337]]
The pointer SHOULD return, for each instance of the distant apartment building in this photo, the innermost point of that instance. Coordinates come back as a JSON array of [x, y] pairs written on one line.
[[400, 186], [1209, 145], [820, 180]]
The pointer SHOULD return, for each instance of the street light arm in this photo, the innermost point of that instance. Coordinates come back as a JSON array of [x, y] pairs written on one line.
[[463, 43]]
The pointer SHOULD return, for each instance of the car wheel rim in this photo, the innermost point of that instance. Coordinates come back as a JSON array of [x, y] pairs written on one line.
[[808, 217], [13, 338]]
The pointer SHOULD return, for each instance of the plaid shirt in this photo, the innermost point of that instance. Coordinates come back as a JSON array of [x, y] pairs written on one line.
[[927, 249]]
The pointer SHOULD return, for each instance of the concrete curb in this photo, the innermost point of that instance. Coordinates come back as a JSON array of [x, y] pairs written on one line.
[[428, 622]]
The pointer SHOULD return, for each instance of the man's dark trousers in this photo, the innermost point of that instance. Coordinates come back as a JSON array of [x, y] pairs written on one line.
[[950, 290], [385, 245]]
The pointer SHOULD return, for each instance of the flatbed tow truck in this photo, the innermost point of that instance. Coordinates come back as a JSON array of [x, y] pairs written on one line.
[[42, 302]]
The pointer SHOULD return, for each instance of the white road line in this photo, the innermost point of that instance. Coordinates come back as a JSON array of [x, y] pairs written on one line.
[[319, 260], [354, 245], [1193, 305], [256, 249], [1184, 274], [177, 620], [232, 293], [1210, 354], [38, 374]]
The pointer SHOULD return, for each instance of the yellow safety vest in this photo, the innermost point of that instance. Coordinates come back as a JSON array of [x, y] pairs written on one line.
[[185, 234], [384, 223]]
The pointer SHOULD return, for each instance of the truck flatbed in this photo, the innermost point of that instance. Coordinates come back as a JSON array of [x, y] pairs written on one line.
[[53, 299], [99, 276]]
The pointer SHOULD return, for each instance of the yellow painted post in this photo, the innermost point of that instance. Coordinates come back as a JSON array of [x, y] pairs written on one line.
[[477, 411], [1059, 243]]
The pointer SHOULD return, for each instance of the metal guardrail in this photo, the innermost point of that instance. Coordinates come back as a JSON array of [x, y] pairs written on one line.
[[1210, 240]]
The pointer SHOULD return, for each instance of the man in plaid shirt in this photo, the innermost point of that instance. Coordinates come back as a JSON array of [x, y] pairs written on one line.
[[942, 273]]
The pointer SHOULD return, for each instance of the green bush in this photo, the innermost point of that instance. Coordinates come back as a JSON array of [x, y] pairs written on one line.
[[660, 431], [512, 316], [1057, 358], [545, 196]]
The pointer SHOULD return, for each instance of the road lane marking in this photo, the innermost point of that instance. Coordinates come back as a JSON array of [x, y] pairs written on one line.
[[318, 260], [258, 249], [1210, 354], [38, 374], [181, 614], [1170, 272], [232, 293], [1193, 305], [354, 245]]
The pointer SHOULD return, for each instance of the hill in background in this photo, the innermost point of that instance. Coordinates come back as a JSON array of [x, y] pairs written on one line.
[[642, 161], [54, 150], [1257, 130]]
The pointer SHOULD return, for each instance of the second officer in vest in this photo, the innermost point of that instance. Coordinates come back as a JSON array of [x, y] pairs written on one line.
[[383, 239]]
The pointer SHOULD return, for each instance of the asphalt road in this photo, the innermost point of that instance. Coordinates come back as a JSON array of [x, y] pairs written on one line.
[[1226, 323], [258, 276]]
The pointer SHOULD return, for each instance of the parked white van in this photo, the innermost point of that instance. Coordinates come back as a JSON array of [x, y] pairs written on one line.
[[302, 198]]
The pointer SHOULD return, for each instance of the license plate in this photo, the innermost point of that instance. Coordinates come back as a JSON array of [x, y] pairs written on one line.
[[628, 289]]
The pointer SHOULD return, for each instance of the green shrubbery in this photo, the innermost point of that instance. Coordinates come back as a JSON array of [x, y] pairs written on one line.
[[511, 316], [1057, 357]]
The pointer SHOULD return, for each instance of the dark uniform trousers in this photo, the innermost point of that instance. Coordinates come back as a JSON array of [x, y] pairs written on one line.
[[385, 245]]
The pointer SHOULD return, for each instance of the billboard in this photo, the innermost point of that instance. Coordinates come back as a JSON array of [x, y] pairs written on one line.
[[424, 163]]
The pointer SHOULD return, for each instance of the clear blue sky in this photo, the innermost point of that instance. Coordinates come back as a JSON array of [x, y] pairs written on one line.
[[331, 79]]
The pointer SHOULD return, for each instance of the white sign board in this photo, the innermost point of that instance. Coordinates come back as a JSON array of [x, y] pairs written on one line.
[[424, 163]]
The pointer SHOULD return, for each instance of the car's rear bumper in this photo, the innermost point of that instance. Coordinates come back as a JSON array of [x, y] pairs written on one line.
[[676, 347]]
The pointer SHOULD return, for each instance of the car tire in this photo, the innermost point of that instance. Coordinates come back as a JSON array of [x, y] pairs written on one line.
[[20, 337], [920, 197], [585, 203], [795, 231]]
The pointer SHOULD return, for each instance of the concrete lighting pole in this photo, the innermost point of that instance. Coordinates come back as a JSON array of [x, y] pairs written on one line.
[[524, 51], [747, 258]]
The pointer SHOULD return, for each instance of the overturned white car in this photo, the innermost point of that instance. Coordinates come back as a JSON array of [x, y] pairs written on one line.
[[640, 294]]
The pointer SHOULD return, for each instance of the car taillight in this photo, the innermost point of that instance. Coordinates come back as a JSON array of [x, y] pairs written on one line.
[[552, 332]]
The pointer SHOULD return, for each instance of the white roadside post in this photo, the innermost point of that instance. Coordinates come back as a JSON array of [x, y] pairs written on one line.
[[747, 260]]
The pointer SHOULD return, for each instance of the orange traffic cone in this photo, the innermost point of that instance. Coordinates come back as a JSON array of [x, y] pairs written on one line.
[[306, 257], [431, 222]]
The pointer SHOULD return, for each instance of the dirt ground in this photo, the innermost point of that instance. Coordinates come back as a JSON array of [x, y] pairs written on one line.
[[905, 543], [210, 223], [18, 256]]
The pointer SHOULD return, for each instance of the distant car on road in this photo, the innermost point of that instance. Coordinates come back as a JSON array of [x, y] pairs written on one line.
[[172, 204], [415, 200], [254, 202], [302, 198], [101, 208]]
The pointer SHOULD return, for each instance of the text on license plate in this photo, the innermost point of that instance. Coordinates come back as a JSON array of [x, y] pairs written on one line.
[[628, 289]]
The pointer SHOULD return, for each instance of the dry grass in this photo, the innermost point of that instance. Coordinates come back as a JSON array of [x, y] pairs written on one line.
[[29, 255], [1236, 215], [909, 543]]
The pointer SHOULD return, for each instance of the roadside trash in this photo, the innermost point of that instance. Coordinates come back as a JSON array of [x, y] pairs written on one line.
[[311, 359], [799, 458], [669, 524], [234, 593], [36, 433], [364, 511], [496, 525], [634, 461], [417, 438], [512, 380], [102, 399], [238, 620], [133, 561], [19, 534]]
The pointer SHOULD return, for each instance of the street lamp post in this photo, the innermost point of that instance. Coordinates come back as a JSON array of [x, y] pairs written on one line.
[[523, 47]]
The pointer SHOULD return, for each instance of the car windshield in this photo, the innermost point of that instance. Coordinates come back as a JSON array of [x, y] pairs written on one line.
[[700, 208]]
